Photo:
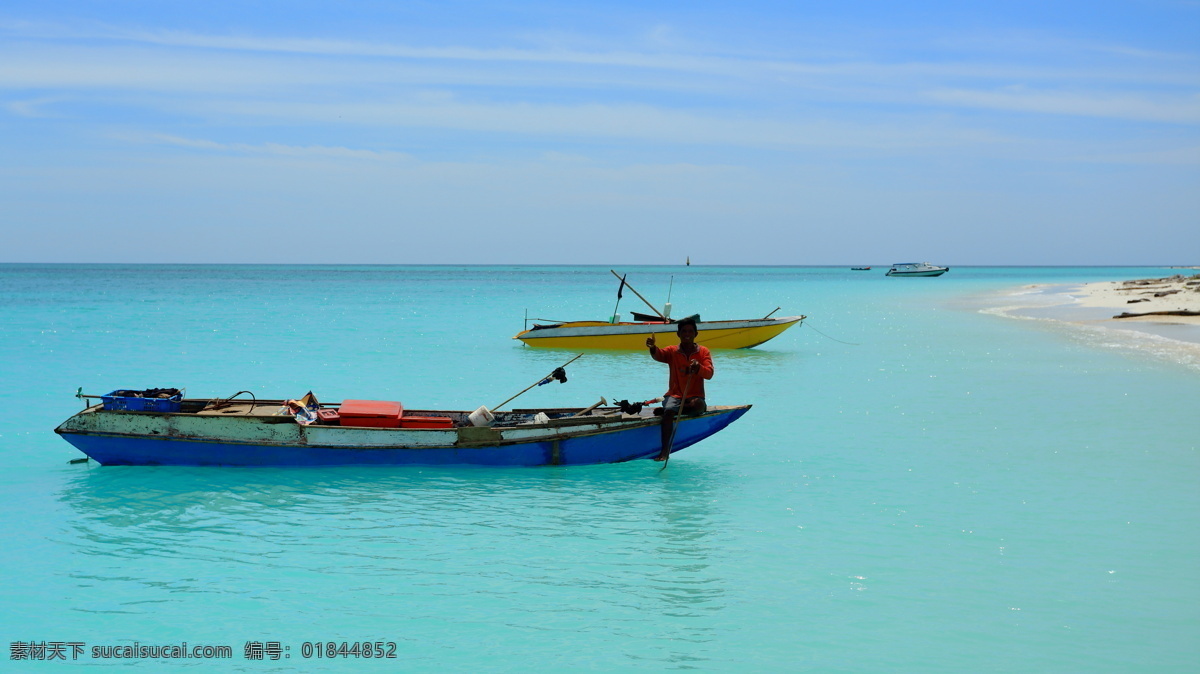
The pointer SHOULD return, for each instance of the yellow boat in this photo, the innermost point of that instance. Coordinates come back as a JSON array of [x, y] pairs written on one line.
[[603, 335]]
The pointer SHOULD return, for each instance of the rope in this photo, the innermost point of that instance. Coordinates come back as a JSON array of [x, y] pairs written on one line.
[[828, 337]]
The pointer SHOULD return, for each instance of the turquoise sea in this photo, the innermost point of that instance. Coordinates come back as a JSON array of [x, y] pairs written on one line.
[[923, 485]]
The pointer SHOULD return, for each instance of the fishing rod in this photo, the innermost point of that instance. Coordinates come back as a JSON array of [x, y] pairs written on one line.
[[559, 373]]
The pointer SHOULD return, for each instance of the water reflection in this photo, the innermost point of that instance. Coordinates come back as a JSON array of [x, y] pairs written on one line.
[[622, 549]]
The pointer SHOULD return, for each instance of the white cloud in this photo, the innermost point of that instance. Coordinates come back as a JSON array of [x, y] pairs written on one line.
[[1004, 60], [1174, 109], [1182, 156], [266, 149], [33, 108], [626, 122]]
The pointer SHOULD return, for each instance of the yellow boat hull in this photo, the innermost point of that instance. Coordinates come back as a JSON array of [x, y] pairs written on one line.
[[601, 335]]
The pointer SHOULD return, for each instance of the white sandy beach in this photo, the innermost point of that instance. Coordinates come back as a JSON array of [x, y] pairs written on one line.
[[1164, 312], [1166, 307], [1162, 300]]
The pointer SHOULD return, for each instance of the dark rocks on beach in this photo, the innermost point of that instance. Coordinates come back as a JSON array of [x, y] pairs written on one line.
[[1156, 281], [1181, 312]]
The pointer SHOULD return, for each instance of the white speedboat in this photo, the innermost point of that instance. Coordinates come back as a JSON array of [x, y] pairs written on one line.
[[916, 269]]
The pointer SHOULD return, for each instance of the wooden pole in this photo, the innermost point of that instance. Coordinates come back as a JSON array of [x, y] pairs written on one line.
[[618, 304], [652, 307], [589, 409], [687, 385], [497, 407]]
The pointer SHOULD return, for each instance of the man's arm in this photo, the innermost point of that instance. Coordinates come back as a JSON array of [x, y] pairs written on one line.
[[705, 363], [655, 352]]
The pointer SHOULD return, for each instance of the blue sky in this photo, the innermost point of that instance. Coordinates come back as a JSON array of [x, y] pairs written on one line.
[[601, 133]]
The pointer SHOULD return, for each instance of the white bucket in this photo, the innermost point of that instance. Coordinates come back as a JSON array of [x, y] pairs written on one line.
[[541, 418], [481, 417], [667, 310]]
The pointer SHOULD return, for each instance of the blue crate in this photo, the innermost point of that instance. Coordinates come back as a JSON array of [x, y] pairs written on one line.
[[131, 401]]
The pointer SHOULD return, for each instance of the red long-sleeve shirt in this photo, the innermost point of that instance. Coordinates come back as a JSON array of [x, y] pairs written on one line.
[[678, 362]]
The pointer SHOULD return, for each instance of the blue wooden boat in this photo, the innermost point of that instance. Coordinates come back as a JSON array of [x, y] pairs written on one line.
[[267, 433]]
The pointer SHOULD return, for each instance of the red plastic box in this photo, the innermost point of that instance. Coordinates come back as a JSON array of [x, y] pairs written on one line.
[[371, 413], [329, 417], [426, 422]]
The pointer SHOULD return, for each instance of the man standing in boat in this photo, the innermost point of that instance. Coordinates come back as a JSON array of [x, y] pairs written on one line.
[[690, 364]]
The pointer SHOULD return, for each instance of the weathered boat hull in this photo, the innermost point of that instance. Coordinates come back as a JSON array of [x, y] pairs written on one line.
[[629, 336], [155, 439]]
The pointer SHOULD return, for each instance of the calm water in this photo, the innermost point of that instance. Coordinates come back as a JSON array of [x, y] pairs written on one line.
[[921, 486]]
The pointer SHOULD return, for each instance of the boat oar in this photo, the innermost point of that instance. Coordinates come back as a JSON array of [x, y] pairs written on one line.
[[540, 381], [585, 410], [687, 385], [652, 307]]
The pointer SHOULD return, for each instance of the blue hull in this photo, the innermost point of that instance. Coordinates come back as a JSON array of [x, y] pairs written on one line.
[[610, 446]]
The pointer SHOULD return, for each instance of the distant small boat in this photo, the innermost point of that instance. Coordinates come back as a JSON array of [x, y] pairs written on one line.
[[860, 269], [916, 269]]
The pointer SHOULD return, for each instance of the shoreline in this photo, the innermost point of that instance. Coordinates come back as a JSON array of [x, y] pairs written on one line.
[[1174, 300], [1147, 305]]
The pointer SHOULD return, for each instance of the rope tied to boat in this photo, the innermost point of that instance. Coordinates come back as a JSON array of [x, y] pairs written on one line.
[[809, 324]]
